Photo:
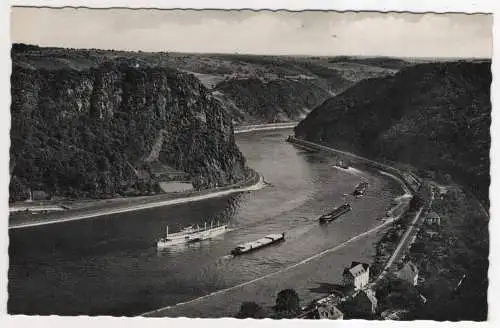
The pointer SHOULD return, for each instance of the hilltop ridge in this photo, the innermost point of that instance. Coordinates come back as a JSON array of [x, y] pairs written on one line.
[[434, 116]]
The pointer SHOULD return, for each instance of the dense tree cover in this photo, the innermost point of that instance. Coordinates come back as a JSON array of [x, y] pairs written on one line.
[[433, 116], [250, 310], [273, 101], [84, 133], [454, 264], [287, 304], [394, 293]]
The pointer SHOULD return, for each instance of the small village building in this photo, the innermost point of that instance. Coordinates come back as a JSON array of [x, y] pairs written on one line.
[[325, 308], [432, 234], [329, 311], [442, 192], [394, 314], [357, 275], [409, 272], [38, 195], [364, 304], [432, 218]]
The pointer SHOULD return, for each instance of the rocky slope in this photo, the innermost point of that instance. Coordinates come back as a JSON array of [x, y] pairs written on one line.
[[433, 116], [94, 126]]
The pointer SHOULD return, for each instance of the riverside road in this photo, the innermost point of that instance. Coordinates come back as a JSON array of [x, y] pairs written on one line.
[[110, 265]]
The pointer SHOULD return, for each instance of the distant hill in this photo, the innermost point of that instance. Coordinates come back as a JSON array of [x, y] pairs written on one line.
[[265, 89], [434, 116], [252, 89], [383, 62]]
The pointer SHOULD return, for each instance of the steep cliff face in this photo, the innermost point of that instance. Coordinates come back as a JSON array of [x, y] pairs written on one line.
[[96, 130], [433, 116]]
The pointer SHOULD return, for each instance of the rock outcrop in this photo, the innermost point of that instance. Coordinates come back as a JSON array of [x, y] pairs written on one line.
[[83, 129]]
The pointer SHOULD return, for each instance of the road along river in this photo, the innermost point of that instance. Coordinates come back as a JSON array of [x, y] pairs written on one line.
[[110, 265]]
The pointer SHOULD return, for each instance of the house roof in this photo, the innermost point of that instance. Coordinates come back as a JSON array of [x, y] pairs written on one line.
[[356, 269], [330, 307], [369, 294], [409, 269], [432, 215], [394, 314]]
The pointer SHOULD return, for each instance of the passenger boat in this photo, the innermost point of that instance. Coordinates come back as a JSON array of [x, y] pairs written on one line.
[[191, 234], [254, 245], [336, 213]]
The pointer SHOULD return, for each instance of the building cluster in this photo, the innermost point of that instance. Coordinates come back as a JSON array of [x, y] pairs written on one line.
[[412, 180], [360, 300], [432, 223]]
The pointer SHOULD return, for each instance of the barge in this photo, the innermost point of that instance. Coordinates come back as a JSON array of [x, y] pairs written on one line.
[[360, 189], [342, 164], [254, 245], [336, 213]]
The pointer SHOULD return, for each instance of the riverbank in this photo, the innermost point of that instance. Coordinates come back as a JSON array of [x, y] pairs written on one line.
[[214, 304], [452, 261], [451, 257], [265, 127], [107, 207], [37, 213], [410, 181]]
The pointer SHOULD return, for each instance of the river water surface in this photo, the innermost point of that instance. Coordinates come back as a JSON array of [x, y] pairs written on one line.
[[110, 265]]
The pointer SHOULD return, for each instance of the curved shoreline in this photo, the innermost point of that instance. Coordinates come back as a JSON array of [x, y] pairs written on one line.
[[115, 210], [407, 193], [256, 186], [265, 127]]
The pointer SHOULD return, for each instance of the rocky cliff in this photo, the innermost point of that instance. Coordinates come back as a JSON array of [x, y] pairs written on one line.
[[433, 116], [95, 128]]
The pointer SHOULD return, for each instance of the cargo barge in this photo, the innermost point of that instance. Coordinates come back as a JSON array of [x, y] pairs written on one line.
[[336, 213], [360, 189], [342, 164], [255, 245]]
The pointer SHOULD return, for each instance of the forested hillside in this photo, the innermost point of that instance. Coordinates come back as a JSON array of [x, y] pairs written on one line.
[[433, 116], [86, 126]]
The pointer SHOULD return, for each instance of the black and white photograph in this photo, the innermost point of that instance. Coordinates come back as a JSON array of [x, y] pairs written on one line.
[[246, 163]]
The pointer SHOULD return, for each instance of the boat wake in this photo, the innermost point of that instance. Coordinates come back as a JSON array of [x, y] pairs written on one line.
[[225, 258], [357, 172], [304, 261]]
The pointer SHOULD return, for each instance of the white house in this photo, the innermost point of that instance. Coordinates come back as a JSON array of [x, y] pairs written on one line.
[[357, 275], [432, 218]]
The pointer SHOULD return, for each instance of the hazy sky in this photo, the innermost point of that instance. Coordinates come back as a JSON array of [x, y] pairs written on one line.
[[303, 33]]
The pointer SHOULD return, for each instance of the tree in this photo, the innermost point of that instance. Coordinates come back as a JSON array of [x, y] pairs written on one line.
[[250, 310], [287, 303]]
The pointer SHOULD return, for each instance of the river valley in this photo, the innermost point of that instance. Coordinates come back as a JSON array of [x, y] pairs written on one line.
[[110, 265]]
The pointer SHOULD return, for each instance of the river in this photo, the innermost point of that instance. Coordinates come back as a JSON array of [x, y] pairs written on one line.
[[110, 265]]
